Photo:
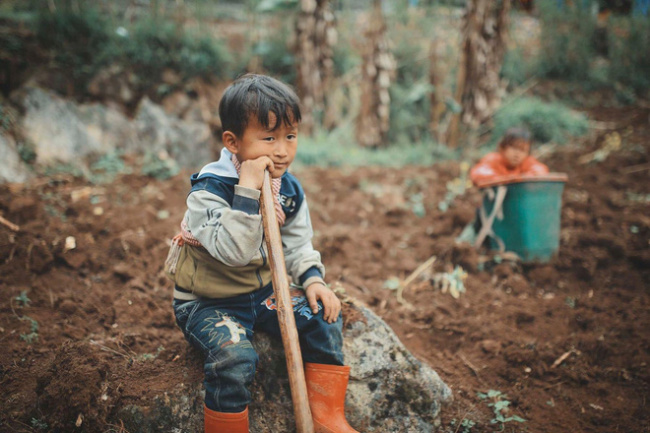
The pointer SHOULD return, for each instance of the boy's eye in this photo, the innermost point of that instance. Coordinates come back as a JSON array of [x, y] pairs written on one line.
[[268, 138], [291, 136]]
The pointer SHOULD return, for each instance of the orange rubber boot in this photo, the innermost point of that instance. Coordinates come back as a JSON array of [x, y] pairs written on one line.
[[221, 422], [326, 386]]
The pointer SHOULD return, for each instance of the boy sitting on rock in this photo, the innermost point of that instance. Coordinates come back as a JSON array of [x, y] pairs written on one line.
[[220, 263]]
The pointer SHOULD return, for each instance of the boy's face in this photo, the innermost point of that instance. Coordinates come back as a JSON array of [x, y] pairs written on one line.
[[279, 144], [515, 153]]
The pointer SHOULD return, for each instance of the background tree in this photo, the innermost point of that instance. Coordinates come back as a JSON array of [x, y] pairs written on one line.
[[479, 87], [315, 38], [377, 71]]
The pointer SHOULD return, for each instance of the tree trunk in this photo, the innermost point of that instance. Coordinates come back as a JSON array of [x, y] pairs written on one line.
[[437, 74], [377, 72], [479, 88], [315, 38]]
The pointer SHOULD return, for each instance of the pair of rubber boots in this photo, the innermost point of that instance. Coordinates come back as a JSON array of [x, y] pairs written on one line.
[[326, 387]]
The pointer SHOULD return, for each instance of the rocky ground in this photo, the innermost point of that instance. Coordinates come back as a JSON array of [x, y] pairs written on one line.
[[85, 318]]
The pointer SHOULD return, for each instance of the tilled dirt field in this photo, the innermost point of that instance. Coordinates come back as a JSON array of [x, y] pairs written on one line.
[[565, 343]]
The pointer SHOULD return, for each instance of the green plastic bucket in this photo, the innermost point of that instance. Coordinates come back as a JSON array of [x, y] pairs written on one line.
[[531, 208]]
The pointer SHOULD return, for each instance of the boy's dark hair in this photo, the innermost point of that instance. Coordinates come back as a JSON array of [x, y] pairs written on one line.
[[514, 134], [253, 94]]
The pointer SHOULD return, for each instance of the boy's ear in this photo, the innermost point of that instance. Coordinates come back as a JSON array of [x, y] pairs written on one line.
[[230, 142]]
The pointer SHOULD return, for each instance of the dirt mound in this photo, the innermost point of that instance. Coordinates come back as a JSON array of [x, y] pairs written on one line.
[[85, 306]]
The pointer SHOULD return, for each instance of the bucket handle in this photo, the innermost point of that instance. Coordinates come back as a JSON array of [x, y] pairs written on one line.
[[487, 221]]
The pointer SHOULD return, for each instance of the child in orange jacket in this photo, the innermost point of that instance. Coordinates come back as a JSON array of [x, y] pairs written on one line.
[[512, 159]]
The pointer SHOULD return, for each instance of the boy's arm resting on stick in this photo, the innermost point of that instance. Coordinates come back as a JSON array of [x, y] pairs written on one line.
[[231, 235], [304, 264], [303, 261]]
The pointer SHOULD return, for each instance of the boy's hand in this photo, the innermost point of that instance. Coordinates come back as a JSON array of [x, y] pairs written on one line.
[[252, 172], [331, 304]]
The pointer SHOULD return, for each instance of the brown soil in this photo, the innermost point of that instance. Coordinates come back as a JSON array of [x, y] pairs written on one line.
[[567, 342]]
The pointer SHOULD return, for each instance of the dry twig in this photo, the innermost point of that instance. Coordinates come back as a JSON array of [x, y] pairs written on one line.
[[561, 359], [9, 224], [416, 273]]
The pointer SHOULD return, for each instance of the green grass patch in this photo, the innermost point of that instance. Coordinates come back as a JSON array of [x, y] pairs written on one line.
[[339, 149], [547, 122]]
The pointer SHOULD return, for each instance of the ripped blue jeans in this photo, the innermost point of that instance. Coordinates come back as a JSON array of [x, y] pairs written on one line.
[[222, 329]]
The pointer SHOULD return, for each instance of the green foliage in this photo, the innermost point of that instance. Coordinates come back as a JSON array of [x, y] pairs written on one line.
[[152, 46], [548, 122], [75, 41], [629, 45], [410, 94], [567, 39], [500, 406], [277, 58], [83, 41], [344, 58], [517, 68]]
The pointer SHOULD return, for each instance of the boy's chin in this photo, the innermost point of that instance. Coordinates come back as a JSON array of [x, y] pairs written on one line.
[[278, 172]]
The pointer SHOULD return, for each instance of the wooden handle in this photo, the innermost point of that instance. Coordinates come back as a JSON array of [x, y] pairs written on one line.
[[304, 423]]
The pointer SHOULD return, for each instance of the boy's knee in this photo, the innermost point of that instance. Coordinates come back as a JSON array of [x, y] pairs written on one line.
[[236, 361]]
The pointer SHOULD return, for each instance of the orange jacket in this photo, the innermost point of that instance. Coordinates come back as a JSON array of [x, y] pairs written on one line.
[[493, 166]]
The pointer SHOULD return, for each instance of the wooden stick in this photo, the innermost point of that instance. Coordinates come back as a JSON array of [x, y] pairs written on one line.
[[304, 423]]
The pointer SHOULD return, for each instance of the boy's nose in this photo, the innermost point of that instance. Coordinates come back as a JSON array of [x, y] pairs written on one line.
[[280, 149]]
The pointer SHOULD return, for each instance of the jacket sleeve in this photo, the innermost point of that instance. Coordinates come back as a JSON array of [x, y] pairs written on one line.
[[534, 167], [303, 262], [232, 235], [485, 169]]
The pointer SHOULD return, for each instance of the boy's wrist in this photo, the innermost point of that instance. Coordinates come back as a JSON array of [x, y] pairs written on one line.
[[246, 200], [312, 280], [247, 192]]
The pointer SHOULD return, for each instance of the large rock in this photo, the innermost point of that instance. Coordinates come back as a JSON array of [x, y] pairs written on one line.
[[12, 168], [62, 131], [389, 390], [189, 143], [56, 129]]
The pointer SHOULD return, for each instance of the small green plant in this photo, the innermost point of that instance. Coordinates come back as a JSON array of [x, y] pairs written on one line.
[[466, 425], [150, 356], [161, 167], [500, 406], [39, 424], [33, 334], [570, 302], [107, 167], [452, 282], [22, 298]]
